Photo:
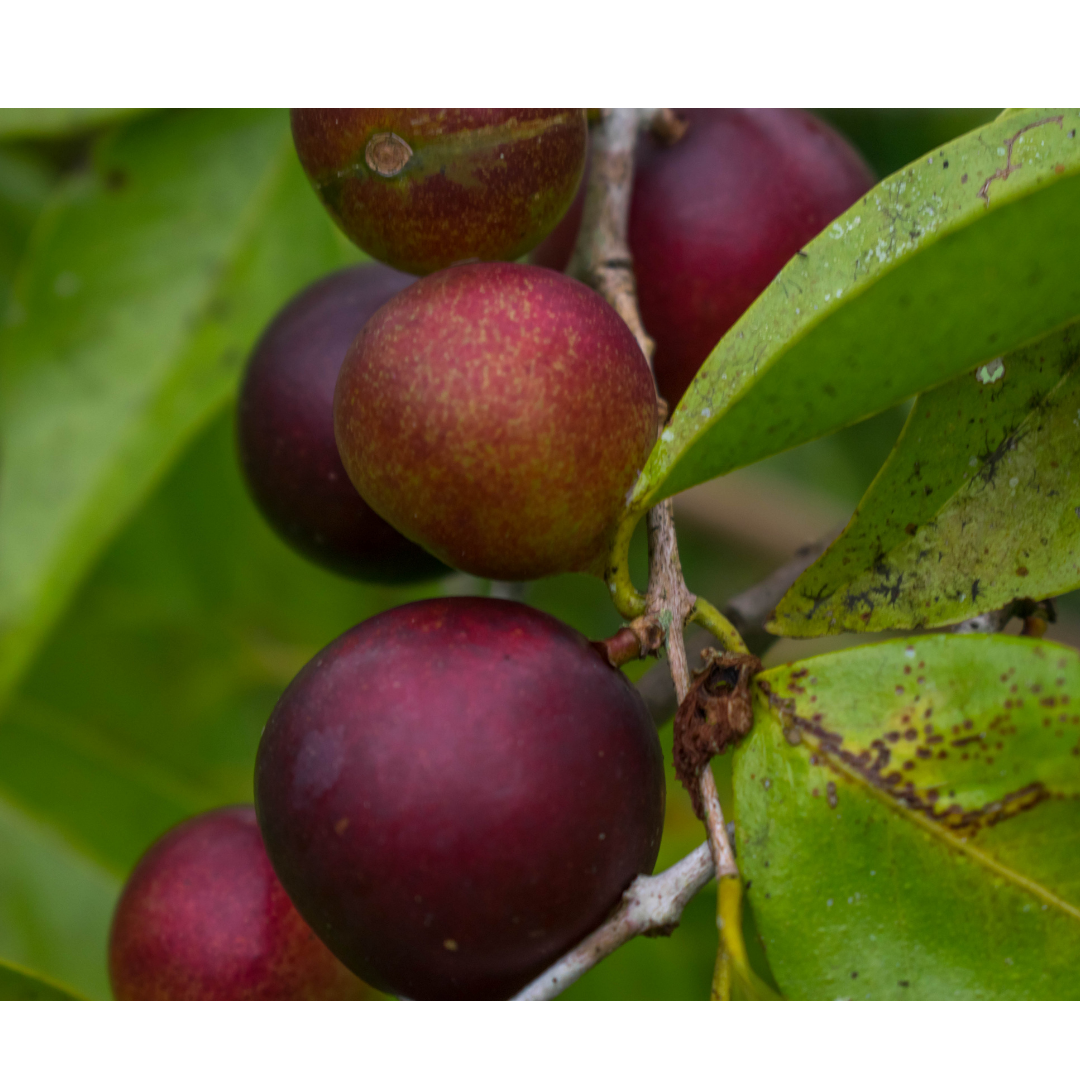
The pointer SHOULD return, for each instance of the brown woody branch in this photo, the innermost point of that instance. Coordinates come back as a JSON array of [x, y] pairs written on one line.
[[602, 260], [748, 612]]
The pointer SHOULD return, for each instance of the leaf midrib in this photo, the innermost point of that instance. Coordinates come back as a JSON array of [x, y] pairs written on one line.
[[940, 833]]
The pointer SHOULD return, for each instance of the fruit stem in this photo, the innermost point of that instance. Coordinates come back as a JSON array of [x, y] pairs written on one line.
[[622, 647]]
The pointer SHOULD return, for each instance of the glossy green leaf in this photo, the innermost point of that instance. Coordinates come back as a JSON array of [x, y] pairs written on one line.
[[147, 703], [57, 123], [908, 820], [963, 255], [17, 984], [978, 504], [145, 285]]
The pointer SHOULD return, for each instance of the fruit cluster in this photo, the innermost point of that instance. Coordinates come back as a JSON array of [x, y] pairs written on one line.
[[456, 791]]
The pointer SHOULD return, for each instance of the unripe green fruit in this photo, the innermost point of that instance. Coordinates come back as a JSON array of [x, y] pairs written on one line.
[[423, 189], [498, 415]]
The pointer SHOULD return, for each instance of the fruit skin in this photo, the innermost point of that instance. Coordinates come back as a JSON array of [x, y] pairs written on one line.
[[714, 218], [557, 248], [497, 414], [457, 791], [285, 433], [203, 918], [422, 189]]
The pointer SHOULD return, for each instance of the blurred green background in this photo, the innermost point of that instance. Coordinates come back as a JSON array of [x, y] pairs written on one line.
[[182, 618]]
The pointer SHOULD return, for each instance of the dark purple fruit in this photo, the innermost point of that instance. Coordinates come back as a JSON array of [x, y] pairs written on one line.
[[422, 189], [203, 917], [457, 791], [285, 429], [715, 217]]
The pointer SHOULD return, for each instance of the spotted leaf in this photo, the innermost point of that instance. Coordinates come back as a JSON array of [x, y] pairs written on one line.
[[908, 820], [978, 505]]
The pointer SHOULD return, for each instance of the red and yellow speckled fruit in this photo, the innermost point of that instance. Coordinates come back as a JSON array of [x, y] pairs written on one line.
[[457, 791], [498, 415], [423, 189], [204, 918]]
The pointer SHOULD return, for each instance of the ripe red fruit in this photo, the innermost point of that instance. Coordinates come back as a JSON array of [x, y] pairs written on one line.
[[715, 217], [498, 415], [422, 189], [203, 917], [455, 792], [285, 432]]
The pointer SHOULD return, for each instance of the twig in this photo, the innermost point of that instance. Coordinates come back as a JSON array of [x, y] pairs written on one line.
[[669, 603], [602, 260], [602, 256], [748, 612], [752, 609], [652, 905]]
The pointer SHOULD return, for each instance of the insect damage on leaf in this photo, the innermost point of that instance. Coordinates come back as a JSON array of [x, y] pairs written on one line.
[[885, 763], [975, 507], [715, 714], [950, 744], [921, 826]]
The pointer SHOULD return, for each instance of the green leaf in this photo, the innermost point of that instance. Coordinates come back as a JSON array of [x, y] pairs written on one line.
[[145, 285], [16, 984], [25, 184], [964, 255], [57, 123], [978, 504], [908, 820], [147, 703], [56, 903]]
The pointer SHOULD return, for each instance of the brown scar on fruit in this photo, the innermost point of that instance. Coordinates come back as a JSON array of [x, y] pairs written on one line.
[[715, 714], [871, 765], [1010, 168], [387, 154]]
